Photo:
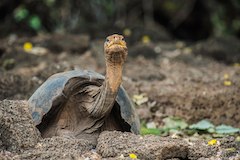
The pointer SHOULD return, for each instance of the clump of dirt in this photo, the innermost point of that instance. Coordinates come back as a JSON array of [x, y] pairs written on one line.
[[14, 86], [230, 147], [16, 126], [21, 139], [113, 144], [57, 148]]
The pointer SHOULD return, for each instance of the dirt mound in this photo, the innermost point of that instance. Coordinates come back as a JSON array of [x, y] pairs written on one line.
[[57, 148], [16, 126], [14, 86], [20, 140], [115, 144]]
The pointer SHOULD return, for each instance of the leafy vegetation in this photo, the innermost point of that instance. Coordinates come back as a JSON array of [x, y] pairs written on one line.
[[202, 125], [178, 125], [22, 14]]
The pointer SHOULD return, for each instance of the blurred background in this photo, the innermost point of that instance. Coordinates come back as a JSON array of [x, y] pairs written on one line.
[[161, 19]]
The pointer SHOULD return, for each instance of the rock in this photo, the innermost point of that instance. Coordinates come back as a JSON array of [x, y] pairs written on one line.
[[113, 144], [118, 144], [14, 86], [17, 131], [200, 150], [58, 148], [20, 138]]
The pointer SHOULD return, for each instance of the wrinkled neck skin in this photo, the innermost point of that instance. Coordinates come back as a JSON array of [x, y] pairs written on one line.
[[109, 90], [113, 78]]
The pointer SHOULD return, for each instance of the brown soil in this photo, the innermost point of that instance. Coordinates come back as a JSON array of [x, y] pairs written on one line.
[[176, 82]]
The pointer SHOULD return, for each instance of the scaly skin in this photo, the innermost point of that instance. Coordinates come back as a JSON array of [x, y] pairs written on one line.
[[115, 50]]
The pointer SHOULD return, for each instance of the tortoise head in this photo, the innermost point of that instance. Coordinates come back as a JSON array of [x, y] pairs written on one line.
[[115, 49]]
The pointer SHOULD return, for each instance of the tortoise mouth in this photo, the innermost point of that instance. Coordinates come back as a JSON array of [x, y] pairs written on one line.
[[118, 48], [119, 43]]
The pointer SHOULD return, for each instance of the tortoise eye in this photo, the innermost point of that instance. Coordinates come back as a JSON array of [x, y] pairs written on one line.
[[107, 40]]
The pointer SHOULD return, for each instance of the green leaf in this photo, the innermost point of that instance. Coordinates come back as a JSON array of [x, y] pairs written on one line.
[[174, 123], [20, 14], [35, 22], [153, 131], [225, 129], [202, 125], [211, 130]]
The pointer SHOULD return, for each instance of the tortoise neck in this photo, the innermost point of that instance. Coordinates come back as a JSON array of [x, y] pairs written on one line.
[[108, 91], [114, 67], [113, 78]]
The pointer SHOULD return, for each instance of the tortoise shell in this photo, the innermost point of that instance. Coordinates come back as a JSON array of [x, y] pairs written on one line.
[[50, 94]]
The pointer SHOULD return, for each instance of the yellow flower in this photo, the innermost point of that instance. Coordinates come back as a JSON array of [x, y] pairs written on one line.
[[227, 83], [27, 46], [127, 32], [212, 142], [146, 39], [133, 156]]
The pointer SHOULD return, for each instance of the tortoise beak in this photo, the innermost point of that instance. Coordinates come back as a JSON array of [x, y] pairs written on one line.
[[119, 43]]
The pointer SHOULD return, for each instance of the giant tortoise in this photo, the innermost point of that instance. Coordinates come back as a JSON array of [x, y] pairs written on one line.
[[83, 103]]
